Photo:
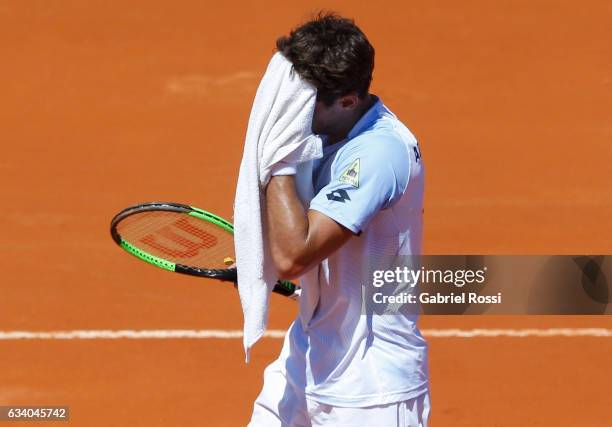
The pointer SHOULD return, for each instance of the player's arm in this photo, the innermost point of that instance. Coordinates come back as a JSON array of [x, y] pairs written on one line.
[[298, 239]]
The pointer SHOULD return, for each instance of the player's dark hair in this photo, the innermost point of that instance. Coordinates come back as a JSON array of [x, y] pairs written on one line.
[[332, 54]]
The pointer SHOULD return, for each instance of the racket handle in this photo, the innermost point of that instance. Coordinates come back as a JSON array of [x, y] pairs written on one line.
[[282, 287], [286, 288]]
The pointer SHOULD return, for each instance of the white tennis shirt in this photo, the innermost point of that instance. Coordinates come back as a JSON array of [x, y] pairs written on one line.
[[372, 184]]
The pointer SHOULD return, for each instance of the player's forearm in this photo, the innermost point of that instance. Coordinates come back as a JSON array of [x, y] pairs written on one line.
[[287, 227]]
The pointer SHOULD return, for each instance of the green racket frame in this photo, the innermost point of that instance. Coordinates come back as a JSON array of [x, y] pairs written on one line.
[[282, 287]]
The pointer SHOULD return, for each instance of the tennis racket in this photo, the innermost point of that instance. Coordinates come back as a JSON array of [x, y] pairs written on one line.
[[183, 239]]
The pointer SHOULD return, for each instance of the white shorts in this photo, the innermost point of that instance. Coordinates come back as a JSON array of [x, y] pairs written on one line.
[[282, 405]]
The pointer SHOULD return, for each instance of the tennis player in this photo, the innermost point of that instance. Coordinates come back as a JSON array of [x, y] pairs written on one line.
[[338, 366]]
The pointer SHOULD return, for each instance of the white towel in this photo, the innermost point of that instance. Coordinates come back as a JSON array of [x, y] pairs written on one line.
[[279, 130]]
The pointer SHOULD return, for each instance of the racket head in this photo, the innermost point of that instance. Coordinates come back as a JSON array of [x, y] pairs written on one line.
[[177, 237]]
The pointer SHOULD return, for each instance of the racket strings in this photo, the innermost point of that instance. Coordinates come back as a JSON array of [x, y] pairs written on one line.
[[179, 238]]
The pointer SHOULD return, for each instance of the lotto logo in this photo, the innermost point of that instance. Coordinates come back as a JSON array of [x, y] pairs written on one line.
[[338, 196]]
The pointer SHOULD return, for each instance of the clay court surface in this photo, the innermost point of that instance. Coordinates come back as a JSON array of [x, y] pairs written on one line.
[[106, 104]]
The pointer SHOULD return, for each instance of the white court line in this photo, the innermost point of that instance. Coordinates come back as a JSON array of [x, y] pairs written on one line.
[[235, 334]]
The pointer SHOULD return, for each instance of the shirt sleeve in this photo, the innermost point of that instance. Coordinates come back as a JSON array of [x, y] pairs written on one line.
[[364, 181]]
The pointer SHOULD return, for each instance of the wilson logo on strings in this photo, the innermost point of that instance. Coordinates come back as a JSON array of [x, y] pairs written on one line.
[[184, 247]]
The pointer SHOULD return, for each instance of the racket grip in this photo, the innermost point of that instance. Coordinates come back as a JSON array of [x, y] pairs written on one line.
[[282, 287], [286, 288]]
